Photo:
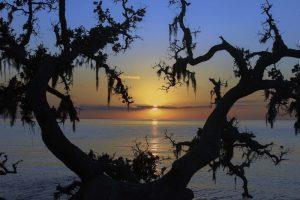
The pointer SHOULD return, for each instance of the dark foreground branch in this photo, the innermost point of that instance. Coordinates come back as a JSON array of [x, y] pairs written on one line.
[[4, 170], [232, 140]]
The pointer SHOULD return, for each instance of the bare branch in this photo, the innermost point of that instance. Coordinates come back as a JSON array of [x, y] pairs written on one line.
[[63, 25], [3, 169]]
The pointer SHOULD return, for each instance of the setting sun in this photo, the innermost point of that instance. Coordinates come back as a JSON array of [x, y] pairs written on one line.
[[155, 107], [155, 111]]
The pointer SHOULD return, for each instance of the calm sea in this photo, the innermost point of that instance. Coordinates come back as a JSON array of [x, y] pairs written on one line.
[[41, 171]]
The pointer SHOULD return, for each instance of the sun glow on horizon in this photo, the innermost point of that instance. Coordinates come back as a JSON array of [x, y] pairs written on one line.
[[155, 112]]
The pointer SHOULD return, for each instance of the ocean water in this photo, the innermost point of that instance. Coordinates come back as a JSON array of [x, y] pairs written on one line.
[[40, 172]]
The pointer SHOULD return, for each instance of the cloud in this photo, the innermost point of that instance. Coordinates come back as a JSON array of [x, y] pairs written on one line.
[[137, 107], [101, 107], [128, 77], [241, 103]]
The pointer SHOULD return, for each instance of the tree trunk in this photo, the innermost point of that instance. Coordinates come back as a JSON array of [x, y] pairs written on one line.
[[73, 157], [208, 147]]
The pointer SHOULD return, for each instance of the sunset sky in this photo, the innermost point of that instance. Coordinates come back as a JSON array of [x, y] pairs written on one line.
[[239, 22]]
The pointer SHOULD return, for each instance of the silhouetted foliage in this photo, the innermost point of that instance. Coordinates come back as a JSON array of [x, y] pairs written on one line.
[[179, 73], [142, 168], [70, 190]]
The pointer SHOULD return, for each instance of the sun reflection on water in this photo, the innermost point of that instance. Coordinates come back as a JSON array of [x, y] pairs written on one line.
[[154, 123], [154, 145], [154, 140]]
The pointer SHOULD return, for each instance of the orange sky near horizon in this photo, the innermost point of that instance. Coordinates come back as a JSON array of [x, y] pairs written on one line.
[[178, 104], [244, 112]]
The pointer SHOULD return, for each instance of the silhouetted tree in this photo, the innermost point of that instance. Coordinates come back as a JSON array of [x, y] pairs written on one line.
[[214, 143]]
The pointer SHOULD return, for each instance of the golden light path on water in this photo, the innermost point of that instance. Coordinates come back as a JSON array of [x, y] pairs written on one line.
[[154, 140]]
